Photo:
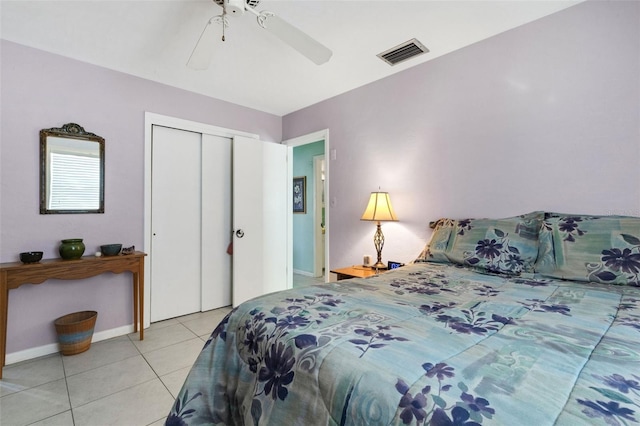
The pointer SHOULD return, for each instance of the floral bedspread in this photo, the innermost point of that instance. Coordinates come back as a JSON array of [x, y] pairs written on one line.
[[424, 344]]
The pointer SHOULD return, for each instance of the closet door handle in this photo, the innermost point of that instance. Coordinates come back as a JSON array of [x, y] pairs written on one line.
[[239, 233]]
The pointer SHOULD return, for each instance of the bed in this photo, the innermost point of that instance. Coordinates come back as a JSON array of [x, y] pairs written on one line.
[[533, 319]]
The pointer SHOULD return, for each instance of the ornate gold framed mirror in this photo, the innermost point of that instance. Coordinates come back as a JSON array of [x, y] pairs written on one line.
[[71, 171]]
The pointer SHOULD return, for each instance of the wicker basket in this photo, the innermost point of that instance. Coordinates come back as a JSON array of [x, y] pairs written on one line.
[[75, 331]]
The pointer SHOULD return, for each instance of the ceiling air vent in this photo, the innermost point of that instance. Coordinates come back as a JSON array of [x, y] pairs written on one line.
[[402, 52]]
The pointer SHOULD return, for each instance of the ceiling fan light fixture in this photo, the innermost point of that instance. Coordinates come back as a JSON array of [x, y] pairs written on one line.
[[234, 7]]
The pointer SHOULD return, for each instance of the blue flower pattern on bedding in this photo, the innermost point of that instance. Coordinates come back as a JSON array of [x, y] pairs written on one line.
[[474, 321], [428, 406], [374, 338], [498, 255], [476, 349], [616, 410], [182, 413], [631, 320], [570, 227], [603, 249], [617, 262]]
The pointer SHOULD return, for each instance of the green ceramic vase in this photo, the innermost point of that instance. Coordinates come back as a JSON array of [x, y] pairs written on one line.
[[71, 249]]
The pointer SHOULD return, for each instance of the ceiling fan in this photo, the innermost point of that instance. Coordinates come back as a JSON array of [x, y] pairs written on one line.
[[203, 51]]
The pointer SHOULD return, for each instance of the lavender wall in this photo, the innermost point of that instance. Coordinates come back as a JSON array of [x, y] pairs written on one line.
[[545, 116], [42, 90]]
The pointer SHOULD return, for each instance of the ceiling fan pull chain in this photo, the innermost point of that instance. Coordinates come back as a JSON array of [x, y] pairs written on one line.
[[224, 24]]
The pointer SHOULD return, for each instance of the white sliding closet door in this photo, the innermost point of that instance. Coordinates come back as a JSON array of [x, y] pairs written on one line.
[[175, 265], [260, 182], [190, 220]]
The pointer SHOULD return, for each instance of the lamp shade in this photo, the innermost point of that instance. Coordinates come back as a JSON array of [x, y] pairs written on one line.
[[379, 208]]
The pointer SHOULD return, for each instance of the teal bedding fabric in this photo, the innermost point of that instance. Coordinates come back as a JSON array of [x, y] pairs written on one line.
[[602, 249], [426, 344], [507, 246]]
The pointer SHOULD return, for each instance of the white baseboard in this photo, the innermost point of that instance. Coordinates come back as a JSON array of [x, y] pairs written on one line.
[[52, 348]]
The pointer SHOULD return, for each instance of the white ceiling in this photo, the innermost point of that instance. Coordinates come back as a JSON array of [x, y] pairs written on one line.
[[154, 38]]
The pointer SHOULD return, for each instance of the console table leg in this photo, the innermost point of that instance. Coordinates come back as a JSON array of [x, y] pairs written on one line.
[[4, 305], [136, 285], [141, 297]]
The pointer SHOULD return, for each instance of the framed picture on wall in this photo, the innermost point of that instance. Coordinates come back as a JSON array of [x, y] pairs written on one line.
[[300, 194]]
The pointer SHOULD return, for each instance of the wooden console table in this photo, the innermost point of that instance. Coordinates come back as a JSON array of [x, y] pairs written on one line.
[[15, 274]]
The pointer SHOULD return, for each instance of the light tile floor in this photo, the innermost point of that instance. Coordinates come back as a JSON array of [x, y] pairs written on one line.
[[303, 280], [121, 381]]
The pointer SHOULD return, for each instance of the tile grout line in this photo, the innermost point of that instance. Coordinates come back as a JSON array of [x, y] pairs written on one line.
[[156, 373], [66, 384]]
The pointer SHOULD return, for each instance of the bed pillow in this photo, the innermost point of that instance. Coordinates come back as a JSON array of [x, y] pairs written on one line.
[[577, 247], [508, 246], [435, 250]]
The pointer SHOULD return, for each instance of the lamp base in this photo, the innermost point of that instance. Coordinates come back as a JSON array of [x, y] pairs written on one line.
[[379, 265]]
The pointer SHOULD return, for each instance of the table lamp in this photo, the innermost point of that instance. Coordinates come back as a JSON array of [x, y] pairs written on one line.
[[379, 209]]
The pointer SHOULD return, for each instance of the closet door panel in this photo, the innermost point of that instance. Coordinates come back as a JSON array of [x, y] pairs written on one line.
[[259, 218], [216, 221], [247, 219], [176, 223], [274, 238]]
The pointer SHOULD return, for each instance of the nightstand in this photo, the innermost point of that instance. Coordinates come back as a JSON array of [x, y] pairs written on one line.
[[355, 271]]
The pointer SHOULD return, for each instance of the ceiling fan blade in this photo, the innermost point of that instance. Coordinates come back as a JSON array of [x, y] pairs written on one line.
[[302, 42], [203, 51]]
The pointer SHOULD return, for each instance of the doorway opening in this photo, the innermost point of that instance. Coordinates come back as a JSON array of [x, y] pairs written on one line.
[[310, 228]]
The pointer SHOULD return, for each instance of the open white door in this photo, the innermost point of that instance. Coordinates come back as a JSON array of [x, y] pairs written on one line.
[[259, 218]]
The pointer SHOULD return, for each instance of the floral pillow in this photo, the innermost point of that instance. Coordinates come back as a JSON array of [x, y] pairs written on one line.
[[435, 250], [602, 249], [508, 246]]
